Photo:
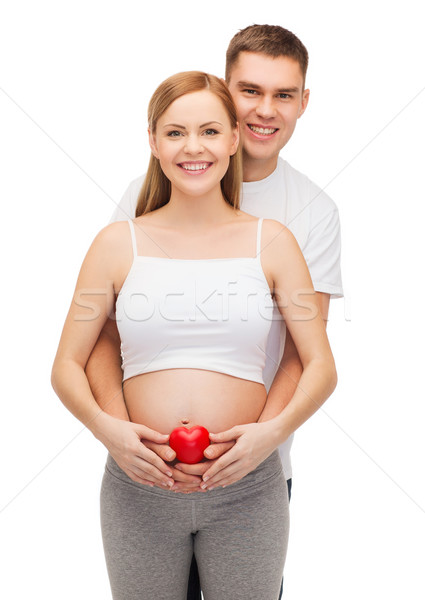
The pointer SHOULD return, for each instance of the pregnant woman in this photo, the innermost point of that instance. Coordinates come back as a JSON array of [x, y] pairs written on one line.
[[192, 281]]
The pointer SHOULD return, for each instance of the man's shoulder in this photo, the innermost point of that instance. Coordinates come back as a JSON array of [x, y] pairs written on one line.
[[136, 185], [133, 190], [126, 209], [302, 190]]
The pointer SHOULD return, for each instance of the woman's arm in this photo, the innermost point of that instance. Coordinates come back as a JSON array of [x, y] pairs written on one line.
[[102, 273], [290, 370], [285, 266]]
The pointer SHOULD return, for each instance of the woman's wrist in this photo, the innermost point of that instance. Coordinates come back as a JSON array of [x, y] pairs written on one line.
[[274, 430], [100, 424]]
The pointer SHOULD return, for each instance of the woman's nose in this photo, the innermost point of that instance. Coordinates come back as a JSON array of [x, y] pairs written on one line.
[[193, 144]]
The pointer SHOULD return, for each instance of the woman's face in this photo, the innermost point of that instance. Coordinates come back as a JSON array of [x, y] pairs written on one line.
[[194, 141]]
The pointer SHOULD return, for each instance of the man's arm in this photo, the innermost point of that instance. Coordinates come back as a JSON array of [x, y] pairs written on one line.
[[104, 372], [289, 371], [103, 369]]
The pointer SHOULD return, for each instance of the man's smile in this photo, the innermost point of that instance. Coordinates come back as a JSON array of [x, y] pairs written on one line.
[[261, 131]]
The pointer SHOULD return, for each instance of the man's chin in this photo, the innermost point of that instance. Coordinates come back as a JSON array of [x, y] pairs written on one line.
[[260, 154]]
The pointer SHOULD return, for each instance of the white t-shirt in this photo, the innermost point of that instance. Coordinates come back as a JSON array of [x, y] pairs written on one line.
[[290, 197]]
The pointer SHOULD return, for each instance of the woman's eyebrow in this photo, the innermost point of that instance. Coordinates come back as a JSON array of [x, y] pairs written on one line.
[[183, 127]]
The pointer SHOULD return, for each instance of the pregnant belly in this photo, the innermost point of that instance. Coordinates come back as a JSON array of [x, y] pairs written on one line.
[[167, 399]]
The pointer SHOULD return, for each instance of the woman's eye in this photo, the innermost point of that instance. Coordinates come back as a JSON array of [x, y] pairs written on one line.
[[173, 133], [210, 132]]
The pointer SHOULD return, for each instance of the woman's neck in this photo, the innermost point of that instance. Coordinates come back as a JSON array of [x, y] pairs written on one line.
[[197, 211]]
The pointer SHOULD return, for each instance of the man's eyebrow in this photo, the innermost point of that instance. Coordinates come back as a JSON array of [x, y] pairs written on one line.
[[247, 84], [290, 90], [183, 127], [254, 86]]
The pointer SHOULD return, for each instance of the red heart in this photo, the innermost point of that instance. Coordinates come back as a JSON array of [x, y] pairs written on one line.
[[189, 444]]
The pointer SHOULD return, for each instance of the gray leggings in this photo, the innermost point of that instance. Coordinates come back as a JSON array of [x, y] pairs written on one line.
[[239, 535]]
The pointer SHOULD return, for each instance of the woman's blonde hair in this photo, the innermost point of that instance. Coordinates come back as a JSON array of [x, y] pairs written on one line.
[[156, 189]]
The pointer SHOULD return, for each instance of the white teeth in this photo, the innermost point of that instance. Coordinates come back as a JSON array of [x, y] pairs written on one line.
[[262, 130], [195, 167]]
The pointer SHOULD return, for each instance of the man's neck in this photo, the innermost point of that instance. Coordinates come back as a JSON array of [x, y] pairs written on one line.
[[255, 169]]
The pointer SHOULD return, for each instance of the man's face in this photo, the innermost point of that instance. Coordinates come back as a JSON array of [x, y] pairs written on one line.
[[269, 97]]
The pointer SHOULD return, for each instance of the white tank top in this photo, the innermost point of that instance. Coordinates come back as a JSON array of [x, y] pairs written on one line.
[[212, 314]]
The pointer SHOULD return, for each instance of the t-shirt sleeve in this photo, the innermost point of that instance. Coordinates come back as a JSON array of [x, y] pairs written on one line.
[[126, 209], [322, 253]]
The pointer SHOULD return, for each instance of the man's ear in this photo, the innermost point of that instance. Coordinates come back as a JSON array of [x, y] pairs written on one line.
[[152, 143], [304, 102]]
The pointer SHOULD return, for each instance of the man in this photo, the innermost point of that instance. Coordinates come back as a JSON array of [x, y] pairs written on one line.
[[265, 70]]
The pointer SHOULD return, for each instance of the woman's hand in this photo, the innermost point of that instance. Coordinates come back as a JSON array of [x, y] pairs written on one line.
[[254, 443], [183, 481], [123, 440], [182, 471]]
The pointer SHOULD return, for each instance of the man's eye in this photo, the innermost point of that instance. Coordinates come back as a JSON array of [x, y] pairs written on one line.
[[284, 96], [250, 92]]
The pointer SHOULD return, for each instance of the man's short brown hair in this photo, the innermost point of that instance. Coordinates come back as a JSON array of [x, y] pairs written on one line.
[[271, 40]]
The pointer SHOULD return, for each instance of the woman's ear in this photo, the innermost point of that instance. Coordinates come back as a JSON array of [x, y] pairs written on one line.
[[235, 142], [152, 144]]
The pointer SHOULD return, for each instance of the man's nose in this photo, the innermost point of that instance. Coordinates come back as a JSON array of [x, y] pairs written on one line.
[[266, 108]]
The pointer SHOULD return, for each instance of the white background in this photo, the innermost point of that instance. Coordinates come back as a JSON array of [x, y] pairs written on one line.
[[75, 80]]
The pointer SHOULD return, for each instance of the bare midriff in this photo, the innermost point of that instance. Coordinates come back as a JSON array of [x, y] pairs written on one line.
[[163, 400]]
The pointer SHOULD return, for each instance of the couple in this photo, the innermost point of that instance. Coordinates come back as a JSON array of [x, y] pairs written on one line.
[[215, 367]]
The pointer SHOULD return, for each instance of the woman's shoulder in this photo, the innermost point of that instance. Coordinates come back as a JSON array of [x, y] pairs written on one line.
[[114, 231], [280, 252], [113, 238], [274, 232]]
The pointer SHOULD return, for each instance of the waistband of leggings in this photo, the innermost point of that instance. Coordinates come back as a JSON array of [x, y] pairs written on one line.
[[268, 469]]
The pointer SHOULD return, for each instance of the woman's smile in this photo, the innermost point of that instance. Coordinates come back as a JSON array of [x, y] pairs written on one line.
[[195, 167]]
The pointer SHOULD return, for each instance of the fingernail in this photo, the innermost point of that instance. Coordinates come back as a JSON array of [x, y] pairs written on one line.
[[208, 452], [169, 455], [205, 477], [169, 473], [170, 483], [203, 486]]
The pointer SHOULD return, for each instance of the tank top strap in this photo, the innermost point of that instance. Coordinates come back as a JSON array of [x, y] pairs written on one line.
[[259, 227], [133, 237]]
